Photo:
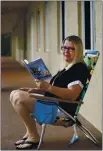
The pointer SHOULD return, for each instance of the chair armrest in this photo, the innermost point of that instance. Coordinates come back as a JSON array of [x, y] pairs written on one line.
[[39, 96]]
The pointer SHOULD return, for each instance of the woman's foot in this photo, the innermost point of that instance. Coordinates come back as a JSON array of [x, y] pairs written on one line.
[[29, 143], [20, 141]]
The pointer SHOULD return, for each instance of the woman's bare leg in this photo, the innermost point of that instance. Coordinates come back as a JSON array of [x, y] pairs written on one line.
[[24, 106]]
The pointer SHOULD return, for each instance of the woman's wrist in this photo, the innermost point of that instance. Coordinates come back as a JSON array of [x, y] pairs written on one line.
[[49, 88]]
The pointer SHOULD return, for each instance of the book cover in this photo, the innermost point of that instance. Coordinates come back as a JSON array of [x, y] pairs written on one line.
[[38, 69]]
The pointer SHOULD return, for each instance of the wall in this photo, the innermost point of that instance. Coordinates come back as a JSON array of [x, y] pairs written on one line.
[[71, 18], [6, 22], [52, 55], [92, 109], [18, 40]]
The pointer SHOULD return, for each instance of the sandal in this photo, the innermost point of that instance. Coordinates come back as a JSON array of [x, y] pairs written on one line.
[[27, 145], [20, 141]]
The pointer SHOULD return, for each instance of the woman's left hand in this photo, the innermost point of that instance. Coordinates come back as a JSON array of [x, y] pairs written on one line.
[[42, 84]]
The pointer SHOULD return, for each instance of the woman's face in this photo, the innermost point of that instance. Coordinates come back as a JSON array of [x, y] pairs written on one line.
[[68, 51]]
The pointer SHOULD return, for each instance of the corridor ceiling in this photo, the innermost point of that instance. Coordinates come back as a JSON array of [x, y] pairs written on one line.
[[13, 6], [10, 14]]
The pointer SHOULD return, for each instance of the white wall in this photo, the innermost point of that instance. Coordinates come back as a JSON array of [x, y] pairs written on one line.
[[71, 18], [92, 108], [52, 55]]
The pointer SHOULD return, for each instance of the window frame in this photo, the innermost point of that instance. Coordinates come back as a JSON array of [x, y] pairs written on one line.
[[92, 25], [62, 22]]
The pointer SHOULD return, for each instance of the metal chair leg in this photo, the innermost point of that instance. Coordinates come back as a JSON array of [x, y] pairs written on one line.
[[42, 135], [88, 134], [82, 128], [75, 136]]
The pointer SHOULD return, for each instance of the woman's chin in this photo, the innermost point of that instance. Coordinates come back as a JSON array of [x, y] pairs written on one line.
[[68, 60]]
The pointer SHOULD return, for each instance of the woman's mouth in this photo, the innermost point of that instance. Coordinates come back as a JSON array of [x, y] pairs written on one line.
[[67, 56]]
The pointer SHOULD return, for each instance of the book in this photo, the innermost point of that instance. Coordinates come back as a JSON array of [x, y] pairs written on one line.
[[37, 69]]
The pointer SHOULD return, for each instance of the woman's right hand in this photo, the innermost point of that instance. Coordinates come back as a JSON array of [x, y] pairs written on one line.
[[33, 90]]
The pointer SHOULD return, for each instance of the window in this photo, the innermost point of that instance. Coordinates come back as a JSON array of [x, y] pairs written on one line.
[[62, 21], [6, 44], [88, 24]]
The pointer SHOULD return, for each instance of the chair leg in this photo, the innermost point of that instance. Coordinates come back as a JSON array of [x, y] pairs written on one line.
[[41, 135], [82, 128], [88, 134], [75, 136]]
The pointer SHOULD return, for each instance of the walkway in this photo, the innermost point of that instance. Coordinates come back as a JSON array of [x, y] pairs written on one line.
[[56, 138]]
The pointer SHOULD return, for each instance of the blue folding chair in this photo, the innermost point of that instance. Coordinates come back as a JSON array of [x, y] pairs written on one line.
[[90, 58]]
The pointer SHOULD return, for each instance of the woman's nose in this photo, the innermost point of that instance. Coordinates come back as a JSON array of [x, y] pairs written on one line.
[[66, 50]]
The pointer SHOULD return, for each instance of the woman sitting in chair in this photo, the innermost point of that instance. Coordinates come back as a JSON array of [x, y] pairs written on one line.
[[66, 84]]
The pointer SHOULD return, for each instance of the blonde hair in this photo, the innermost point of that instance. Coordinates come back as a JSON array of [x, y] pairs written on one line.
[[78, 48]]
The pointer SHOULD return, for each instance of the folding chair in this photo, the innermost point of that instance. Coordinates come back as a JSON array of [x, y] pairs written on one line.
[[90, 58]]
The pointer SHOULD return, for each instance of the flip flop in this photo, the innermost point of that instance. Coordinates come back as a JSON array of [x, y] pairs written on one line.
[[20, 141], [27, 145]]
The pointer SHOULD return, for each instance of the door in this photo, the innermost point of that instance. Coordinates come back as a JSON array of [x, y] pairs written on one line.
[[6, 45]]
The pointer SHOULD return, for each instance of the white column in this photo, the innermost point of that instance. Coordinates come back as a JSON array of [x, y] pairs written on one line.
[[32, 37]]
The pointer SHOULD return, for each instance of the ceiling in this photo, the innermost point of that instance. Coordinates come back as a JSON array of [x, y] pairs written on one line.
[[13, 6], [10, 13]]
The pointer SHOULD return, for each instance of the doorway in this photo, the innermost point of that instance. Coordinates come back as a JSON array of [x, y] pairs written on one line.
[[6, 45]]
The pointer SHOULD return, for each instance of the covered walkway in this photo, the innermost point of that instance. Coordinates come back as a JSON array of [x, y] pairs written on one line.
[[14, 76]]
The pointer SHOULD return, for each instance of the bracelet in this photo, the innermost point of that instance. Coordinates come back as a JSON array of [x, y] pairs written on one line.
[[49, 88]]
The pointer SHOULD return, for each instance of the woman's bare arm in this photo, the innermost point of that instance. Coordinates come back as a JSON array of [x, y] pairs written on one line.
[[70, 93]]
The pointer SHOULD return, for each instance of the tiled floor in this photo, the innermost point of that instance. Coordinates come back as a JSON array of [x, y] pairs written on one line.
[[56, 138]]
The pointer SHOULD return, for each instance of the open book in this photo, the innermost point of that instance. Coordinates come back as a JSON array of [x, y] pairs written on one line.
[[38, 69]]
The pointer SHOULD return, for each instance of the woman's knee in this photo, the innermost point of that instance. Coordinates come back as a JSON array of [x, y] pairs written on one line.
[[15, 97], [12, 95]]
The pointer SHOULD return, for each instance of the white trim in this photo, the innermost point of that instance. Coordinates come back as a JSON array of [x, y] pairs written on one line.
[[46, 27], [32, 37], [66, 27], [75, 83], [92, 24], [38, 29]]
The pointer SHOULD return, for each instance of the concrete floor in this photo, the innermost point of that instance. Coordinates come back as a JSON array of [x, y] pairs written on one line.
[[14, 76]]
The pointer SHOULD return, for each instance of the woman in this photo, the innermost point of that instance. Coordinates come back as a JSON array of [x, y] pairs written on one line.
[[66, 84]]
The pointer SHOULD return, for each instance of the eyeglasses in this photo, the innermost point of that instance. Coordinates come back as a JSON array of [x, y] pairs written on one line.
[[71, 49]]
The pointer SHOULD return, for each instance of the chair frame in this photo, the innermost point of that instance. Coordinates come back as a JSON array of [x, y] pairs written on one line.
[[76, 122]]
